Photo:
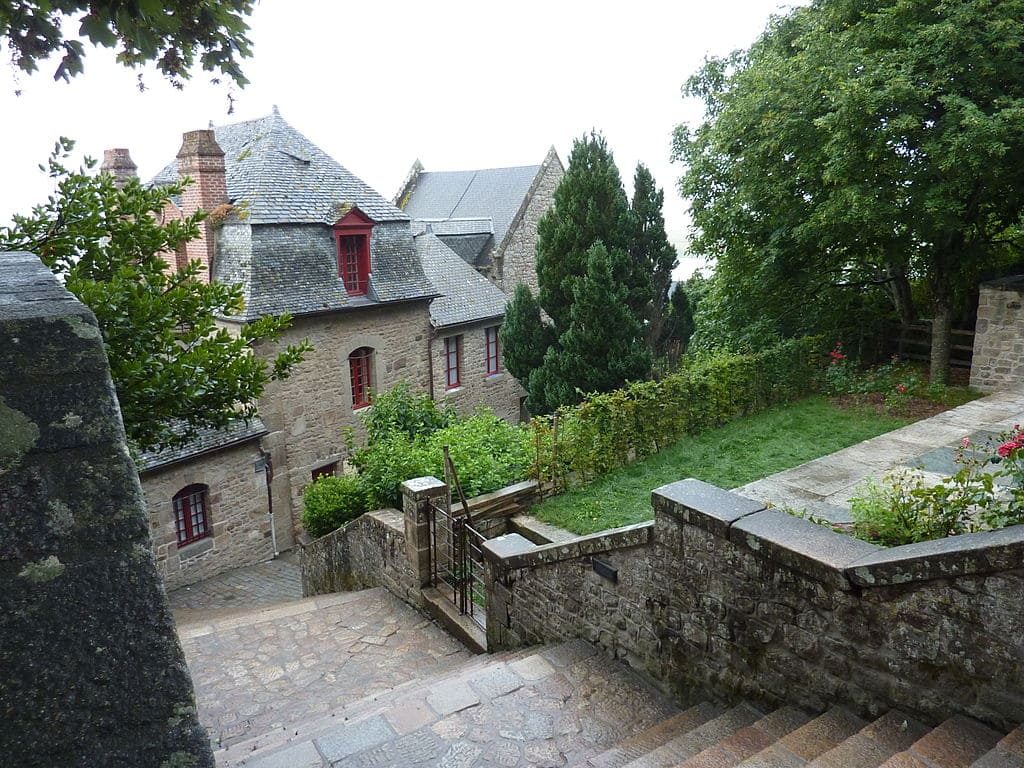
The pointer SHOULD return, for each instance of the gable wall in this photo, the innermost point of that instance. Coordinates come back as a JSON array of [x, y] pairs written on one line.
[[518, 253]]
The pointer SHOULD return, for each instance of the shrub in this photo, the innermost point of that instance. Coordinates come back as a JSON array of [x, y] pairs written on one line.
[[330, 502], [399, 410], [488, 454]]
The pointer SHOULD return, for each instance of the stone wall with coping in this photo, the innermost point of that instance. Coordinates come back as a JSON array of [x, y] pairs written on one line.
[[719, 596], [500, 391], [236, 512], [998, 361], [92, 670]]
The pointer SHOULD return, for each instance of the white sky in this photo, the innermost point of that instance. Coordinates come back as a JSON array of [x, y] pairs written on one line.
[[457, 84]]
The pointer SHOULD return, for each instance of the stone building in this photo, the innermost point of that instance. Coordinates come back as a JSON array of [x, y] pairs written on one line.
[[380, 298], [488, 217]]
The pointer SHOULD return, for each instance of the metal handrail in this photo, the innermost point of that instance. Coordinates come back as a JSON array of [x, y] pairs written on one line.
[[456, 562]]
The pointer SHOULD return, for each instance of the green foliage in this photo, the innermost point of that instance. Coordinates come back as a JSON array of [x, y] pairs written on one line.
[[602, 346], [857, 146], [399, 410], [169, 33], [488, 454], [330, 502], [734, 454], [524, 336], [612, 429], [652, 254], [175, 370], [678, 325]]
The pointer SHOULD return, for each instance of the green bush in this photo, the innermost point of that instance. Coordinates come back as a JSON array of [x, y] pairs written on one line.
[[488, 454], [398, 410], [330, 502], [610, 430]]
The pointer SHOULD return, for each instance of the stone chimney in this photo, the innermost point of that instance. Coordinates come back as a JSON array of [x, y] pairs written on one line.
[[118, 163], [202, 160]]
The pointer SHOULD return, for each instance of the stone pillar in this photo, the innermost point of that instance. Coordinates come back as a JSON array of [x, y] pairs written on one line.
[[417, 496], [119, 164], [998, 361]]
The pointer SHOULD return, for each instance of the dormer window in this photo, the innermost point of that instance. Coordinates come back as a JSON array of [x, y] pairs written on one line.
[[352, 240]]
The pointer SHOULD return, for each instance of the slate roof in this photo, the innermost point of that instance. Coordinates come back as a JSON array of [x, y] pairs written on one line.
[[495, 193], [466, 295], [207, 441], [283, 177]]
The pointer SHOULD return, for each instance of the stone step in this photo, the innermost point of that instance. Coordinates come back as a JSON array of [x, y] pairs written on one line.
[[372, 703], [559, 706], [873, 744], [808, 741], [956, 743], [1008, 753], [462, 628], [652, 738], [685, 746], [748, 741]]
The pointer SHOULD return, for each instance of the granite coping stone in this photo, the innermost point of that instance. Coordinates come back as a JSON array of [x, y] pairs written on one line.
[[420, 488], [703, 505], [638, 534], [802, 545], [508, 545], [970, 553]]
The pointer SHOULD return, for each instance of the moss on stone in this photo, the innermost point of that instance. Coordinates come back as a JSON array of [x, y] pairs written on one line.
[[20, 434]]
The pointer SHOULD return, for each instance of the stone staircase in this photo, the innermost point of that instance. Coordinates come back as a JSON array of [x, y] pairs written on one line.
[[568, 705]]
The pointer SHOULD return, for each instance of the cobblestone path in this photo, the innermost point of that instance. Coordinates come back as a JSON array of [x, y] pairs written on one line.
[[276, 581], [269, 668]]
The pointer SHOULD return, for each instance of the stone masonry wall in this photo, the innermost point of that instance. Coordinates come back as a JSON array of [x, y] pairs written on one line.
[[716, 596], [236, 511], [998, 361], [307, 412], [518, 254], [91, 672], [500, 391]]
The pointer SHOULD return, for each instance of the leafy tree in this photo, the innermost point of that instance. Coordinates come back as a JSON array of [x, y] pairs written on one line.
[[175, 369], [590, 206], [651, 251], [603, 347], [170, 33], [861, 145], [525, 337]]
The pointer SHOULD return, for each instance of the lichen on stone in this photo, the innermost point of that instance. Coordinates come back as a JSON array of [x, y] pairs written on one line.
[[179, 760], [59, 517], [19, 434], [82, 328], [47, 569]]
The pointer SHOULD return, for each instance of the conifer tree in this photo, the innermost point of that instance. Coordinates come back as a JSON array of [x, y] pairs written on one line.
[[653, 255], [524, 336]]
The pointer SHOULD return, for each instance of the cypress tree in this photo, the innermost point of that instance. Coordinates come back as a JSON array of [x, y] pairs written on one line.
[[653, 256], [524, 336]]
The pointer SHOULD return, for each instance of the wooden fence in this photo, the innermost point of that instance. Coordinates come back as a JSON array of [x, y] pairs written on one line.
[[914, 342]]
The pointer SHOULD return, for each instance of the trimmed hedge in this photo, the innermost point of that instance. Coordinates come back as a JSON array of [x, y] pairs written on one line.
[[610, 430], [330, 502]]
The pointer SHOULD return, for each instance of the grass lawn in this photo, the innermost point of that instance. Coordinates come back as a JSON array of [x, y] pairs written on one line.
[[732, 455]]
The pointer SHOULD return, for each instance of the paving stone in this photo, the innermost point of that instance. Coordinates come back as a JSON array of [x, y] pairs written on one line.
[[352, 738], [534, 667], [302, 755], [496, 681], [570, 653], [410, 716], [451, 696]]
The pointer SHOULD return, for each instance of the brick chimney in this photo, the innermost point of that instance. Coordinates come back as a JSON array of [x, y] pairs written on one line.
[[202, 160], [118, 163]]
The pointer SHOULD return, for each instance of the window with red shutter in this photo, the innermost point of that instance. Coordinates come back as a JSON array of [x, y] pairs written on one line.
[[360, 369], [493, 355], [453, 361], [190, 514]]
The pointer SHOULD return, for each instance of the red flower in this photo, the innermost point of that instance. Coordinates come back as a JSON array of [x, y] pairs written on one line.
[[901, 388]]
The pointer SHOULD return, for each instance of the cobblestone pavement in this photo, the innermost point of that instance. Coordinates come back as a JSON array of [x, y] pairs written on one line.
[[824, 486], [272, 667], [255, 586], [550, 707]]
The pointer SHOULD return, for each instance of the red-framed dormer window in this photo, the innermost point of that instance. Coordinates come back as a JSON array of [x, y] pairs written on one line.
[[493, 352], [452, 362], [352, 241], [191, 522], [360, 369]]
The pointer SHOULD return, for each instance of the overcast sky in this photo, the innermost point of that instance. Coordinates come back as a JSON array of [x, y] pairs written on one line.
[[456, 84]]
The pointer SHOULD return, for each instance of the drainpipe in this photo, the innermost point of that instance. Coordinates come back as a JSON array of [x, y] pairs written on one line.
[[266, 466], [431, 333]]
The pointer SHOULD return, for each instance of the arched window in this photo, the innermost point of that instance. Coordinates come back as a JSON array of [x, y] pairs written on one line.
[[191, 520], [360, 370]]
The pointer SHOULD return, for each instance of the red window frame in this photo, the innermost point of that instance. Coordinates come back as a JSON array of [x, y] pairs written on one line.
[[360, 370], [453, 362], [493, 350], [191, 515], [352, 244]]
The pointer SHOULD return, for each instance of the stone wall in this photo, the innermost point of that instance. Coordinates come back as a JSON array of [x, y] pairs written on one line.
[[500, 391], [717, 596], [236, 511], [998, 361], [91, 672], [307, 413], [517, 253]]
